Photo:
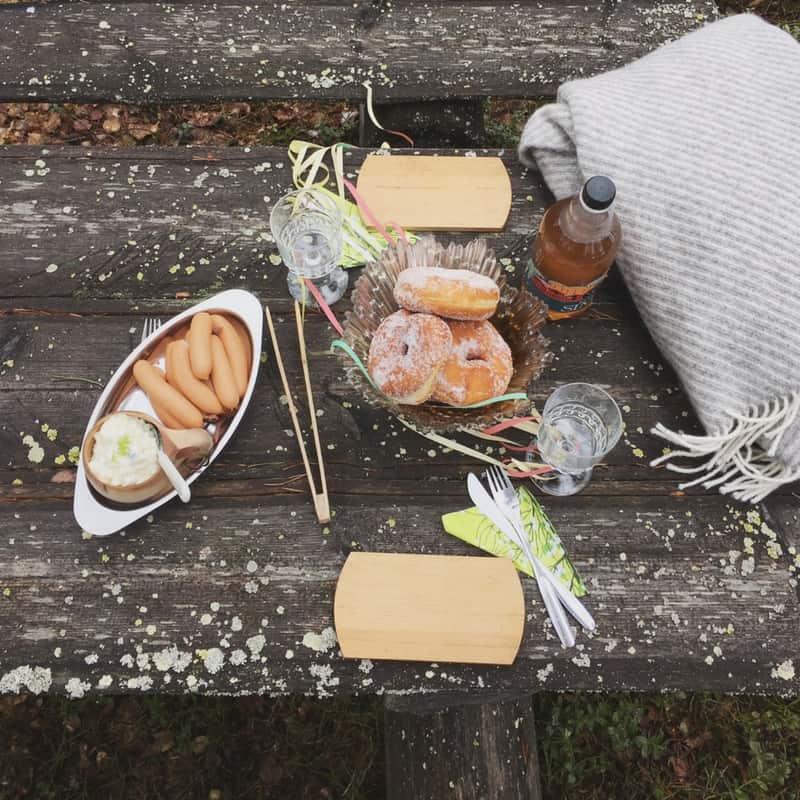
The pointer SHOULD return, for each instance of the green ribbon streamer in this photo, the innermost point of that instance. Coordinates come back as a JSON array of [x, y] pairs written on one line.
[[340, 344], [501, 398], [309, 171]]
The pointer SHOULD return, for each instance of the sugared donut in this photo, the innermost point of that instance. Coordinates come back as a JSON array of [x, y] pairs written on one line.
[[406, 354], [453, 293], [479, 366]]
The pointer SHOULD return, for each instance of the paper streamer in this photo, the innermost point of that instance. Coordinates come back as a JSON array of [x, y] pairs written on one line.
[[513, 422], [366, 212], [323, 306], [371, 114], [309, 171], [517, 469]]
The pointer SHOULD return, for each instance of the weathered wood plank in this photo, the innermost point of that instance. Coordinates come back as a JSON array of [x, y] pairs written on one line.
[[147, 223], [472, 752], [150, 52], [53, 355], [676, 602], [142, 225], [663, 608]]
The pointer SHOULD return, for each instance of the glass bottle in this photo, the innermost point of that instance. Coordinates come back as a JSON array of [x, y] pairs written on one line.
[[575, 246]]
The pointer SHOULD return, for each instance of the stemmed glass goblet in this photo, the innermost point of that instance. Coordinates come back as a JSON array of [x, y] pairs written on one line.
[[580, 424]]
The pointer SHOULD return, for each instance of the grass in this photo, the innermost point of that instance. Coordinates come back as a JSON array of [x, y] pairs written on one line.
[[659, 747], [591, 747]]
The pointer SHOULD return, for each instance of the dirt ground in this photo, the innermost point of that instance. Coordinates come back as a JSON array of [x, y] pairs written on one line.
[[591, 747]]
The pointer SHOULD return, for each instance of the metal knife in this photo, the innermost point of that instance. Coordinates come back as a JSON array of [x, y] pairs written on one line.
[[484, 503]]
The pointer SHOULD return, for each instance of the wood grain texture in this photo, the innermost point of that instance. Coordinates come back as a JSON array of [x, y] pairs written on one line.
[[471, 752], [147, 223], [430, 193], [150, 52], [409, 607], [54, 354], [122, 229], [182, 603], [674, 608]]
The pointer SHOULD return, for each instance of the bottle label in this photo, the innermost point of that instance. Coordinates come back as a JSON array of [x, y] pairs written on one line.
[[560, 299]]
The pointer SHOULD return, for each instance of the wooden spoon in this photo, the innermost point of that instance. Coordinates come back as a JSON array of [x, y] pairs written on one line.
[[180, 452]]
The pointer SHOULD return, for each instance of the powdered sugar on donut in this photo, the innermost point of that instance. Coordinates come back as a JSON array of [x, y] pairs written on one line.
[[418, 277], [479, 367], [453, 293], [406, 354]]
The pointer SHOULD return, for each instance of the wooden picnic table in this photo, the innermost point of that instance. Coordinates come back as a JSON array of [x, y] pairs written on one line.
[[233, 593]]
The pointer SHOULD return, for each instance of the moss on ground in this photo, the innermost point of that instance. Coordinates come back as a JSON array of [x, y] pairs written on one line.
[[659, 747], [591, 746], [156, 746]]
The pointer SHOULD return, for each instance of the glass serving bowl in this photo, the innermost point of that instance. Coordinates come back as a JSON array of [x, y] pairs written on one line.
[[519, 319]]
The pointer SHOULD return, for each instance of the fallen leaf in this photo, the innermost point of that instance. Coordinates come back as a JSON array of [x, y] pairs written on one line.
[[697, 741], [72, 723], [111, 124], [204, 119], [64, 476], [52, 122], [163, 742], [679, 767], [142, 131]]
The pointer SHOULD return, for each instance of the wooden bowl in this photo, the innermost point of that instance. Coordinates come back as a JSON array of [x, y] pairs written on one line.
[[187, 449]]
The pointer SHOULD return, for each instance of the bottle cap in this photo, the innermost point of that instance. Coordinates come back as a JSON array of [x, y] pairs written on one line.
[[598, 193]]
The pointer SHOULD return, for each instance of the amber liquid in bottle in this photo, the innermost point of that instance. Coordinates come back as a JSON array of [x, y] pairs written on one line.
[[574, 248]]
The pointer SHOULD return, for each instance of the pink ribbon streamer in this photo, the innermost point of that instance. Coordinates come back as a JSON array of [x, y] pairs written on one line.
[[516, 448], [324, 307], [507, 423], [400, 230], [371, 218], [514, 473]]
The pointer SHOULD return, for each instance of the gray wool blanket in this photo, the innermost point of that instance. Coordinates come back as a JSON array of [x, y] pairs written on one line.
[[702, 138]]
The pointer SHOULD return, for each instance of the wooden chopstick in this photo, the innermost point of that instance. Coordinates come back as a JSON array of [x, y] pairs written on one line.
[[321, 503]]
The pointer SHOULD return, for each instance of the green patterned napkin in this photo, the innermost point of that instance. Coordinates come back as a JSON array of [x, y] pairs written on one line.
[[472, 527]]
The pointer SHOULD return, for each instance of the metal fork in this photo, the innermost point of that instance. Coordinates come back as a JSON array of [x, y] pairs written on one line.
[[151, 325], [506, 498], [549, 596]]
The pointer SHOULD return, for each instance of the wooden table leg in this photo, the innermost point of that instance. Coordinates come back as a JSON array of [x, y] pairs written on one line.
[[474, 751]]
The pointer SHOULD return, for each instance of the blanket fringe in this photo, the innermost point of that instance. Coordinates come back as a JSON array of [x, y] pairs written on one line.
[[741, 461]]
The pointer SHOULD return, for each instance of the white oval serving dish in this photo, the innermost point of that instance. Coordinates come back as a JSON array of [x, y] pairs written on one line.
[[101, 517]]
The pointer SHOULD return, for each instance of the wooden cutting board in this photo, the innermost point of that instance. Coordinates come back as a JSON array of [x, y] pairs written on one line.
[[429, 608], [437, 193]]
